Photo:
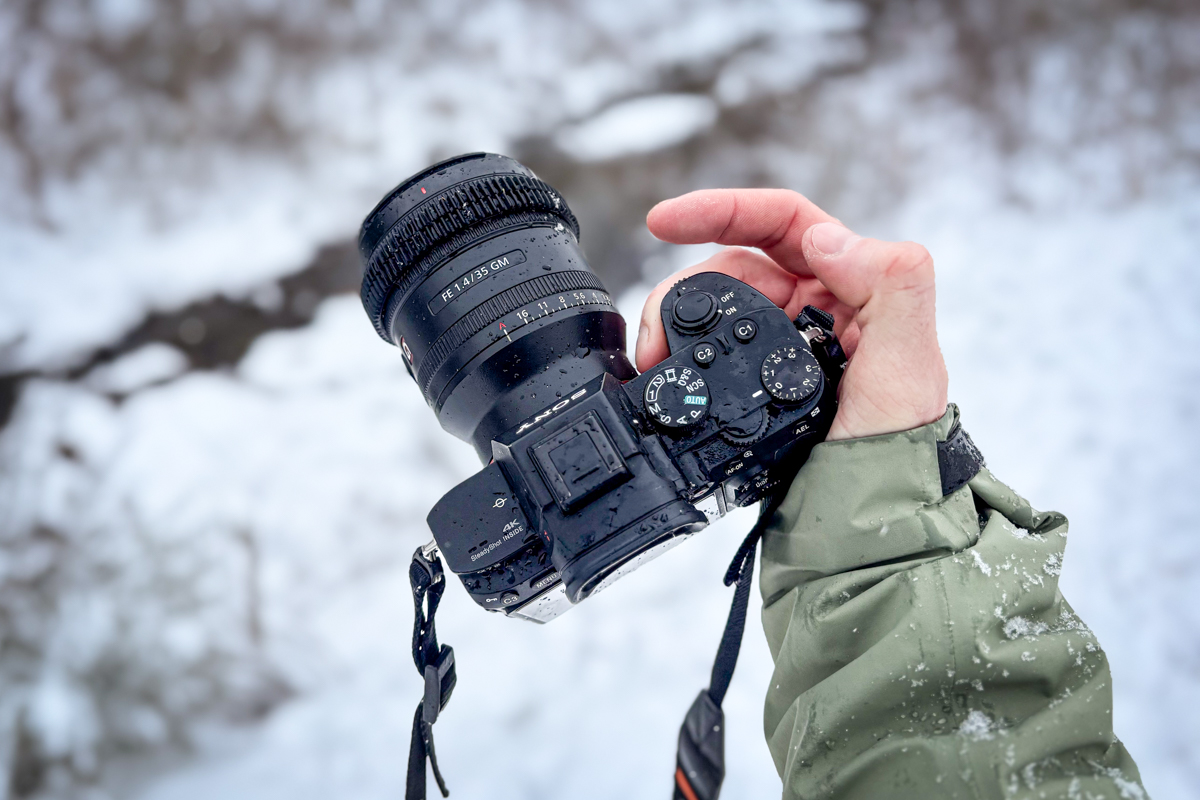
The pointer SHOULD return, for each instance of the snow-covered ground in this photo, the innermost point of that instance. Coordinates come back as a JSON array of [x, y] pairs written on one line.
[[203, 573]]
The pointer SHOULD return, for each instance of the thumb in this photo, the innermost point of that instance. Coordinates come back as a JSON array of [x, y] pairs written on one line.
[[897, 377], [857, 269]]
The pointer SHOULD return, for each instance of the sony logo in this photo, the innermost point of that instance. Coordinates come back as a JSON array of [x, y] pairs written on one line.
[[554, 409]]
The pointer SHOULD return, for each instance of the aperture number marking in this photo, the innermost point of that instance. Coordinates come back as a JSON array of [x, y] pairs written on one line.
[[551, 305]]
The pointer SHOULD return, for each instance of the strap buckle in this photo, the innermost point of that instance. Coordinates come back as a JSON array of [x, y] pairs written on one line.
[[700, 757], [426, 569], [435, 664], [430, 550], [440, 679]]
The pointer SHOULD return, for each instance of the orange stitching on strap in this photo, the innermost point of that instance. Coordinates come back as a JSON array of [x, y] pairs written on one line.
[[682, 782]]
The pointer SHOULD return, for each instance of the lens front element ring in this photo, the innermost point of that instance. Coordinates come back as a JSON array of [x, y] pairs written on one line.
[[395, 261]]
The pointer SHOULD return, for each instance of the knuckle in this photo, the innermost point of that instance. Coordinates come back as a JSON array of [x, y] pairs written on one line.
[[724, 258], [909, 264]]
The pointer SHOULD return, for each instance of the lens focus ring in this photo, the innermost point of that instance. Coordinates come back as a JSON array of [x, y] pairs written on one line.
[[472, 208]]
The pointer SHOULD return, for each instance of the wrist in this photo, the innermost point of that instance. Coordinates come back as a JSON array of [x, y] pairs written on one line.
[[867, 501], [853, 421]]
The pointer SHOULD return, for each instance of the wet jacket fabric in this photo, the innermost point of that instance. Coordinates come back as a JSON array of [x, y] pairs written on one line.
[[922, 647]]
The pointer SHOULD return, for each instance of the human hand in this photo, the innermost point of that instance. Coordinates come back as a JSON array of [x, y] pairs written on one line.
[[881, 295]]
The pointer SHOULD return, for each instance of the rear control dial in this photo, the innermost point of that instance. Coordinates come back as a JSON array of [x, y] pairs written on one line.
[[676, 397], [747, 430], [791, 374]]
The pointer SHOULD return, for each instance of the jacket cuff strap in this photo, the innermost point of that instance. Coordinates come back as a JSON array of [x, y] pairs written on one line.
[[959, 460]]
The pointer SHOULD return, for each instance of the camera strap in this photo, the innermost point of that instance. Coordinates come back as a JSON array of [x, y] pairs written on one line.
[[700, 757], [434, 663]]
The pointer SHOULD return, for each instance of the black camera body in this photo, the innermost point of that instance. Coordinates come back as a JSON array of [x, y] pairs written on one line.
[[474, 270], [614, 473]]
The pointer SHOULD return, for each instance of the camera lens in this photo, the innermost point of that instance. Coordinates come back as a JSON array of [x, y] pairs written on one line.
[[473, 268]]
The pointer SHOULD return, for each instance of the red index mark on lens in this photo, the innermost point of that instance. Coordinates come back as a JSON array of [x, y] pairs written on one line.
[[422, 190]]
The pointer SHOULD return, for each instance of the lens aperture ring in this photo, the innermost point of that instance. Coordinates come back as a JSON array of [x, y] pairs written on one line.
[[475, 203], [513, 299]]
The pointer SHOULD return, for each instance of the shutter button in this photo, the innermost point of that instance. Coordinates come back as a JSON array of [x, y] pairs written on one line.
[[694, 312]]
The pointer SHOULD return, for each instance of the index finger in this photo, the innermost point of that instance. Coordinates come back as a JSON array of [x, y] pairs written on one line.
[[773, 220]]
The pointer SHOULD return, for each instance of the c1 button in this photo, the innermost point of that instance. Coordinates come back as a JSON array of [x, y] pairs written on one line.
[[744, 330], [704, 354]]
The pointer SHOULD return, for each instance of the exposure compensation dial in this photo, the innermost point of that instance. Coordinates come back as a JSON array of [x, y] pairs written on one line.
[[791, 374], [676, 397]]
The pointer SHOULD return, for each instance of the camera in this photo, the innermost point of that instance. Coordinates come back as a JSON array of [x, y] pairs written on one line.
[[473, 269]]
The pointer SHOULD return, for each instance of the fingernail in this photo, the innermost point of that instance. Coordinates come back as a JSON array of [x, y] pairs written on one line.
[[643, 335], [829, 238]]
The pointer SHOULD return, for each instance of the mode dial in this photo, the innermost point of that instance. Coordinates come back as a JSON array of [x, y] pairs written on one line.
[[694, 312], [676, 397], [791, 374]]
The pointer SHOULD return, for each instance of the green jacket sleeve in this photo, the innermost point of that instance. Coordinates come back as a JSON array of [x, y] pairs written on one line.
[[922, 648]]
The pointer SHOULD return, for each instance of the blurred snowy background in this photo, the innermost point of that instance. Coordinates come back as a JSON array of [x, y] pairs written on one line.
[[212, 473]]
